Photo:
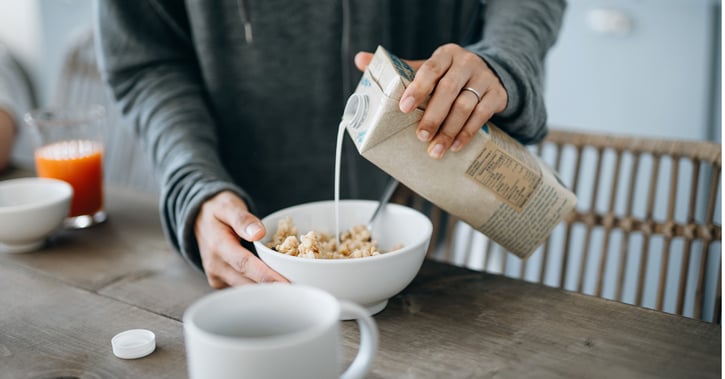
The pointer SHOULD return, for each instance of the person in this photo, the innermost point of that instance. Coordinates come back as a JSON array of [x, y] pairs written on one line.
[[16, 98], [239, 101]]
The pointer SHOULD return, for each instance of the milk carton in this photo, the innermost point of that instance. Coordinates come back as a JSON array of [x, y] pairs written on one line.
[[494, 184]]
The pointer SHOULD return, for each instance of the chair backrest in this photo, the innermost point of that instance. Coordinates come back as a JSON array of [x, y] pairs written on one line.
[[80, 84], [646, 229]]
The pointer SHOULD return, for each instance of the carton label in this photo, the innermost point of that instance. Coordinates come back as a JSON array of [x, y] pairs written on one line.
[[404, 70], [512, 181], [547, 206]]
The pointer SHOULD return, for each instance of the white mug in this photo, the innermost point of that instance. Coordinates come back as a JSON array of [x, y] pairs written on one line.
[[274, 330]]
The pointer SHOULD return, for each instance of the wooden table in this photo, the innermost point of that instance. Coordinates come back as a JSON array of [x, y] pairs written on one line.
[[60, 307]]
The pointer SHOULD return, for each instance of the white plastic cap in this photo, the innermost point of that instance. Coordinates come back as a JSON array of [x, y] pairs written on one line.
[[134, 343], [355, 110]]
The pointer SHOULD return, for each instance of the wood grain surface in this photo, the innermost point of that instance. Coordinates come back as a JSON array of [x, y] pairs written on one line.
[[61, 306], [455, 323]]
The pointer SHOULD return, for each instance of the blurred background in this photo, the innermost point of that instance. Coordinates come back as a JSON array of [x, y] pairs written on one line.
[[627, 67], [651, 67]]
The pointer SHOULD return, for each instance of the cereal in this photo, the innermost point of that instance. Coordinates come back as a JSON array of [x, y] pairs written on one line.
[[354, 243]]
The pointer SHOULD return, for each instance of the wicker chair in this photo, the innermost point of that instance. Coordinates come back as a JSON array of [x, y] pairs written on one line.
[[646, 230], [79, 84]]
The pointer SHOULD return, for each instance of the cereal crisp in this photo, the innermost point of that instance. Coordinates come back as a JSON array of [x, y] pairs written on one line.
[[354, 243]]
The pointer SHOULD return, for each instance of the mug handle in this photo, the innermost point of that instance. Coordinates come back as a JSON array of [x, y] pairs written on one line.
[[368, 341]]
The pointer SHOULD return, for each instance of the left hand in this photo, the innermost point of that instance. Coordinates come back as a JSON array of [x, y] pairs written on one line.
[[221, 222], [453, 115]]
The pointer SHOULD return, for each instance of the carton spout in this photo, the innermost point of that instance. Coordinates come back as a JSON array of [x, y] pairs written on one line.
[[355, 111]]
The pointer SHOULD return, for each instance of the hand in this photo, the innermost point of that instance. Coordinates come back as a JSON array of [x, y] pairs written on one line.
[[222, 220], [453, 115]]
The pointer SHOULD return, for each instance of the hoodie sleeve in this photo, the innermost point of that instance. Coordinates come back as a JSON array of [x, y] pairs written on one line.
[[145, 56], [16, 98], [516, 37]]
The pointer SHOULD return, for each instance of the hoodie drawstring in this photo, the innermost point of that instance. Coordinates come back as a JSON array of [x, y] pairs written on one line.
[[243, 10]]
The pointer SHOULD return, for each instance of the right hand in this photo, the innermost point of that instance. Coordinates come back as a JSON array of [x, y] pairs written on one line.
[[453, 116], [222, 220]]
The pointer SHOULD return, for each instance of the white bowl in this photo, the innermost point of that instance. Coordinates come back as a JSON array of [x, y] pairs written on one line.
[[367, 281], [30, 210]]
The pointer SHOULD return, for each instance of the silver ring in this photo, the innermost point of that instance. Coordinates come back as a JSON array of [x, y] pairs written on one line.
[[474, 92]]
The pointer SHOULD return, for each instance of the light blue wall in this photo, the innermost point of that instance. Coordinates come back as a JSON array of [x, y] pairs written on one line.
[[655, 79], [60, 22]]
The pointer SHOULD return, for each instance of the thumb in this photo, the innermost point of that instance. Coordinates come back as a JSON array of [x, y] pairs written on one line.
[[253, 229], [231, 210], [362, 60]]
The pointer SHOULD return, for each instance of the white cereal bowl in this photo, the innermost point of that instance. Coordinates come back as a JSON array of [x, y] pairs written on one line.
[[367, 281], [30, 210]]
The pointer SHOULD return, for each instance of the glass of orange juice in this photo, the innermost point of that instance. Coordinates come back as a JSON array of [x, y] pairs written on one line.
[[70, 148]]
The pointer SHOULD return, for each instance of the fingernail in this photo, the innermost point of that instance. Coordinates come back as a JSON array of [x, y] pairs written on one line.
[[436, 151], [406, 105], [423, 135], [252, 229], [456, 145]]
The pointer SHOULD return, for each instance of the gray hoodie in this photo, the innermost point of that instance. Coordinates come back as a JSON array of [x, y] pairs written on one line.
[[246, 95]]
